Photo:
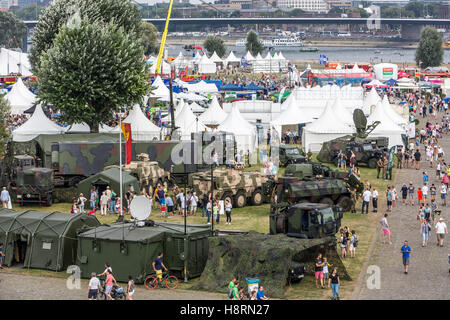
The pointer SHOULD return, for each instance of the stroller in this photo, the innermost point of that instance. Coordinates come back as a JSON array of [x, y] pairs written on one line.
[[253, 284]]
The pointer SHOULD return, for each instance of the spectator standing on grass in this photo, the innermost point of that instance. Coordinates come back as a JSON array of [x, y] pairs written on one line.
[[5, 197], [169, 204], [92, 198], [441, 231], [112, 202], [353, 244], [318, 268], [80, 203], [228, 207], [335, 282], [343, 244], [375, 199], [385, 229], [366, 200], [93, 287], [103, 203], [326, 273], [406, 252]]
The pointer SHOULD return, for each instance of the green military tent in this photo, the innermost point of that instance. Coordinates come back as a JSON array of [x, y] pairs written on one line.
[[41, 239], [130, 250], [111, 178]]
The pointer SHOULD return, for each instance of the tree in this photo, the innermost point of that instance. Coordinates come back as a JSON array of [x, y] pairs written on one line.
[[253, 44], [214, 43], [91, 71], [295, 12], [30, 12], [430, 51], [416, 7], [336, 10], [4, 132], [122, 12], [10, 28], [235, 14], [149, 38]]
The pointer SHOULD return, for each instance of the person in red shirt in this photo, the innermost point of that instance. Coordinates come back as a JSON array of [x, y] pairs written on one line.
[[420, 196]]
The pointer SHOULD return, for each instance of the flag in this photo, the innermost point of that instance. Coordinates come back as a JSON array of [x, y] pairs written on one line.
[[281, 94], [126, 130]]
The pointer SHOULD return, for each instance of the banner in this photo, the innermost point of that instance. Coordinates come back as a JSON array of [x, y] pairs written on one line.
[[126, 130]]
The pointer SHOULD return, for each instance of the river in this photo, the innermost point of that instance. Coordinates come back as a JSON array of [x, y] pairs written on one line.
[[335, 54]]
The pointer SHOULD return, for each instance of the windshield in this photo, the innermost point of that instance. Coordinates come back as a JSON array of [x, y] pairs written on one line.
[[367, 147], [328, 215], [292, 151]]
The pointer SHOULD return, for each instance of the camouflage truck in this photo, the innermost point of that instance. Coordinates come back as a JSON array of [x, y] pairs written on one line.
[[303, 184], [238, 187], [148, 173], [73, 157], [305, 220], [290, 155]]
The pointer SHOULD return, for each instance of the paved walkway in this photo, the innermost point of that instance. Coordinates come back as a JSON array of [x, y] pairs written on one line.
[[428, 276], [22, 287]]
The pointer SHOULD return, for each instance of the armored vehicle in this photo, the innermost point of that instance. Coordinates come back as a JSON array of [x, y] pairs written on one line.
[[305, 220], [35, 185], [367, 150], [148, 173], [290, 155], [301, 184], [238, 187]]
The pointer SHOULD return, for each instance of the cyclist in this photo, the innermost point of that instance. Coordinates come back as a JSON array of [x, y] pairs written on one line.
[[158, 265]]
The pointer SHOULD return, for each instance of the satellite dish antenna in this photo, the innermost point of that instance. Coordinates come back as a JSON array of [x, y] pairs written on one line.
[[140, 209]]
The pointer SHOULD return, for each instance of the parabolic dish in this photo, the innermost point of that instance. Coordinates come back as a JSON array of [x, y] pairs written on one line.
[[140, 208]]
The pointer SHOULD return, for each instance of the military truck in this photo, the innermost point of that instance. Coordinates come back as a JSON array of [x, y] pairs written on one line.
[[305, 220], [367, 150], [148, 173], [289, 155], [311, 182], [238, 187], [27, 182]]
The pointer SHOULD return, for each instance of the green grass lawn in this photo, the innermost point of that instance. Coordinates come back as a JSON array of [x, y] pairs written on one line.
[[257, 218]]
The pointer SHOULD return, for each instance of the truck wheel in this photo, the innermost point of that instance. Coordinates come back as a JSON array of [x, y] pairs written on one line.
[[327, 200], [257, 198], [151, 190], [345, 203], [227, 196], [372, 164], [240, 200]]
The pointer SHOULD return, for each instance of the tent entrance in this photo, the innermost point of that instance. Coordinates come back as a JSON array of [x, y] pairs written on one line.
[[19, 253], [100, 185]]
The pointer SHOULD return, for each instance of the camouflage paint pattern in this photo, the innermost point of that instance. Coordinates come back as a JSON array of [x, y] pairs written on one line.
[[34, 185], [230, 183]]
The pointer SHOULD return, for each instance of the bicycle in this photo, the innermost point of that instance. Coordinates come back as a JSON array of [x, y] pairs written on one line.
[[151, 281]]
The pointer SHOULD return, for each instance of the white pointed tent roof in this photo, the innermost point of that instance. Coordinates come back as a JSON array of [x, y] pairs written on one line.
[[196, 108], [215, 58], [342, 113], [372, 98], [232, 58], [142, 129], [387, 108], [387, 124], [281, 57], [107, 129], [259, 57], [268, 56], [205, 60], [160, 88], [78, 128], [293, 114], [197, 56], [214, 115], [329, 123], [36, 125], [202, 86], [186, 121], [14, 62], [249, 56], [20, 98], [244, 132]]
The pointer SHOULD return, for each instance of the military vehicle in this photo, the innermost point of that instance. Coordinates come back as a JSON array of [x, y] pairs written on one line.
[[367, 150], [290, 155], [305, 220], [311, 182], [238, 187], [148, 173], [73, 157]]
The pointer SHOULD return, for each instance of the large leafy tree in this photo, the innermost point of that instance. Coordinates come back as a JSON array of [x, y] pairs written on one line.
[[91, 71], [253, 44], [430, 51], [10, 28], [214, 43], [4, 132], [149, 38], [122, 12]]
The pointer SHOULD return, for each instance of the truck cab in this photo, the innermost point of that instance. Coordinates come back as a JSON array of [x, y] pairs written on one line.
[[305, 220]]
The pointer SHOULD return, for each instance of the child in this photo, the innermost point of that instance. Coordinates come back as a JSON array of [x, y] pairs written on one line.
[[169, 205], [343, 244], [425, 178], [130, 288], [74, 207], [163, 207], [2, 254], [353, 244], [420, 196], [326, 271]]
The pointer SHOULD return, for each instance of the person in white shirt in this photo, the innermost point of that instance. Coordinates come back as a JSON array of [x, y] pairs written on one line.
[[4, 196], [441, 231], [366, 199], [375, 199], [193, 201], [103, 204], [444, 194], [425, 192], [94, 287]]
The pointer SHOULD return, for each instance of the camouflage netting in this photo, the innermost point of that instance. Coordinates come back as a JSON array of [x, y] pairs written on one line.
[[66, 195], [266, 257]]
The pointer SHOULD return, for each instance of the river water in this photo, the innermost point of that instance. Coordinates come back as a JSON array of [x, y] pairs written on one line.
[[334, 54]]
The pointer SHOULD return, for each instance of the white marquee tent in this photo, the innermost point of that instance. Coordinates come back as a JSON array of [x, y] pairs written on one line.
[[160, 90], [389, 110], [78, 128], [187, 123], [244, 132], [206, 65], [164, 65], [232, 59], [386, 128], [142, 129], [328, 127], [36, 125], [216, 59], [370, 101], [214, 115], [20, 98]]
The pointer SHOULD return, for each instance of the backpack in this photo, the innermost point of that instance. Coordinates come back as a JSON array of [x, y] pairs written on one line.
[[355, 241]]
